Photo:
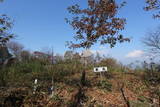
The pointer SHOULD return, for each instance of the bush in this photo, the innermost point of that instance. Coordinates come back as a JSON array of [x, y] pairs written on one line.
[[111, 64], [3, 78], [105, 85], [24, 72]]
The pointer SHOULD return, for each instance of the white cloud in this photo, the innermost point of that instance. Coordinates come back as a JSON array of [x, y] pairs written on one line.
[[135, 54]]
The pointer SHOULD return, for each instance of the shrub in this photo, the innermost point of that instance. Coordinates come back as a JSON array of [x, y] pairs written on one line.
[[105, 85]]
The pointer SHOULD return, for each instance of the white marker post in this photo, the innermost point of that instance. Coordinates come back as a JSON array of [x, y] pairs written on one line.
[[100, 70], [35, 86], [52, 89]]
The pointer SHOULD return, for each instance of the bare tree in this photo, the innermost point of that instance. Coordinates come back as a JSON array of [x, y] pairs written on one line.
[[15, 47], [98, 57], [69, 55], [152, 41]]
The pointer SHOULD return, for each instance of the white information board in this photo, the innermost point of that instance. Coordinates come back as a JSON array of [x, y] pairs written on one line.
[[100, 69]]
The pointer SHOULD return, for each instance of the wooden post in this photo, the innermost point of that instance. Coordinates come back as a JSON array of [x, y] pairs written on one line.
[[86, 53], [101, 77], [83, 78], [124, 97]]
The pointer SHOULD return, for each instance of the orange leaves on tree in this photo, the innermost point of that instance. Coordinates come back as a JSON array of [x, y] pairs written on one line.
[[97, 23]]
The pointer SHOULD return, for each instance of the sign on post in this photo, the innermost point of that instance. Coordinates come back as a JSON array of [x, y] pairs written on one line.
[[100, 69]]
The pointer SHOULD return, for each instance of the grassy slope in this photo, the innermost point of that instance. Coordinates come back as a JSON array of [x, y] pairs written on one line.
[[17, 81]]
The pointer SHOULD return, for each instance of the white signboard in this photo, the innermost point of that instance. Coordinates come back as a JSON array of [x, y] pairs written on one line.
[[100, 69]]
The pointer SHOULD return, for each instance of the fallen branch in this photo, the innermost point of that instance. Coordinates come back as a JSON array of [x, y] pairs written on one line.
[[125, 98]]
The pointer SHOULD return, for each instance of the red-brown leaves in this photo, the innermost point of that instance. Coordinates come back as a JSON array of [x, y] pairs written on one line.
[[98, 22], [153, 5]]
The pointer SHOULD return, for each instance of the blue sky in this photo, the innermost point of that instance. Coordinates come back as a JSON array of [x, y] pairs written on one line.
[[40, 23]]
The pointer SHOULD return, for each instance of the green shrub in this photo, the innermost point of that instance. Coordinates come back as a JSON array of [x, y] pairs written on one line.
[[3, 77], [104, 84]]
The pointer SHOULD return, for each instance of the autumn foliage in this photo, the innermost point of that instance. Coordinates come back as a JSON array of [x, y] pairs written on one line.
[[97, 23], [153, 5]]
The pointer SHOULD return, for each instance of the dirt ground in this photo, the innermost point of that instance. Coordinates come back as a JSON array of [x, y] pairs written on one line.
[[69, 94]]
